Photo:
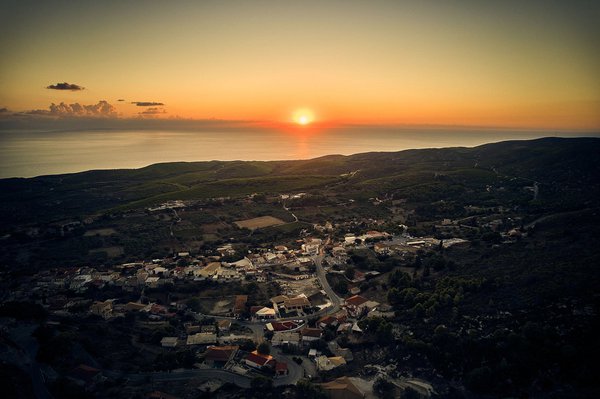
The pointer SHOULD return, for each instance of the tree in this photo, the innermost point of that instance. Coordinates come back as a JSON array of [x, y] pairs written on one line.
[[264, 348], [194, 304], [307, 390], [349, 273], [247, 345], [384, 388], [261, 383]]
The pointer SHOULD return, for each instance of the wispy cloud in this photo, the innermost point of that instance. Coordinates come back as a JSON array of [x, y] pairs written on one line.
[[147, 104], [153, 111], [65, 86]]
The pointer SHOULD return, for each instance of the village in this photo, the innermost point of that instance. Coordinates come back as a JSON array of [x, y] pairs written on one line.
[[268, 312]]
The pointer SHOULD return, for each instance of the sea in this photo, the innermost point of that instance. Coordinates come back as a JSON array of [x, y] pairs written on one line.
[[35, 153]]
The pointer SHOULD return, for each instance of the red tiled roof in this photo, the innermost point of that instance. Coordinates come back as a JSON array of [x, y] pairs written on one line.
[[280, 366], [240, 302], [259, 359], [220, 353], [356, 300], [283, 326], [312, 332]]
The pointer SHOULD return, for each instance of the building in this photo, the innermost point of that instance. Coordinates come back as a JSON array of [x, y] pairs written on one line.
[[168, 342], [298, 304], [219, 356], [265, 313], [239, 304], [201, 339], [325, 363], [286, 337], [258, 360], [311, 334], [357, 304], [224, 325], [102, 309], [342, 388], [282, 326], [281, 368]]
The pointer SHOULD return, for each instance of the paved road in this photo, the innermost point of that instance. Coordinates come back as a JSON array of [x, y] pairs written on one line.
[[336, 301], [223, 375], [295, 371]]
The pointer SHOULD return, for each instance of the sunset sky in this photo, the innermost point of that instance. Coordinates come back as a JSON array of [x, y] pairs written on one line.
[[533, 64]]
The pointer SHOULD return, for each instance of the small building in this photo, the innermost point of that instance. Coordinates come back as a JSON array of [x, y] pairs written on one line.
[[258, 360], [342, 388], [311, 334], [85, 375], [219, 356], [239, 304], [265, 313], [286, 338], [298, 303], [102, 309], [224, 325], [281, 368], [325, 363], [201, 339], [168, 342], [281, 326]]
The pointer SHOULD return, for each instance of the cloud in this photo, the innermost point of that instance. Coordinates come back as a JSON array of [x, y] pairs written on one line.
[[65, 86], [121, 99], [102, 109], [153, 111], [146, 104]]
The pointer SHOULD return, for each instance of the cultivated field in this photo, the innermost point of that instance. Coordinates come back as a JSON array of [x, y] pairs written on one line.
[[259, 222]]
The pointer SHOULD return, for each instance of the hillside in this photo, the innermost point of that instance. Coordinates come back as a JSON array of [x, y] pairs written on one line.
[[567, 169]]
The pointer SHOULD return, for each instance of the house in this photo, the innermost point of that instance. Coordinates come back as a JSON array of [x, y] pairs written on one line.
[[281, 368], [382, 248], [265, 313], [85, 375], [327, 321], [298, 303], [325, 363], [357, 304], [239, 304], [258, 360], [168, 342], [342, 388], [201, 339], [286, 337], [135, 307], [311, 334], [219, 356], [159, 395], [278, 300], [209, 270], [192, 328], [224, 325], [152, 282], [281, 326], [102, 309]]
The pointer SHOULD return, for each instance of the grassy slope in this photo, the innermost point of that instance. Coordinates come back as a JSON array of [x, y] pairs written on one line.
[[573, 162]]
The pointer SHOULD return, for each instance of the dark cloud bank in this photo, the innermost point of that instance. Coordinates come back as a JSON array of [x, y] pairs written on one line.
[[147, 104]]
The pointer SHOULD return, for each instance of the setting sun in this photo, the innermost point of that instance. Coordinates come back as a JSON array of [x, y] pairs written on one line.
[[303, 116]]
